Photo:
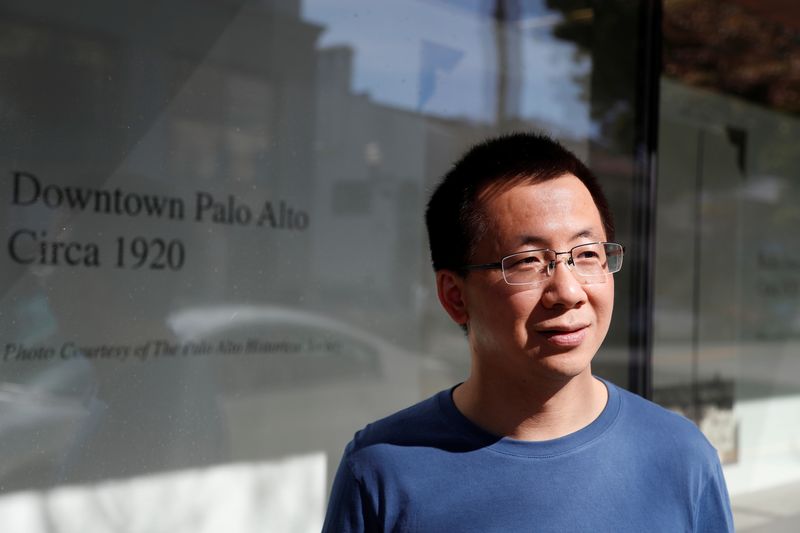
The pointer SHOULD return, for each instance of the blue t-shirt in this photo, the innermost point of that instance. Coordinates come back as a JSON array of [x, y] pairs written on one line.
[[637, 467]]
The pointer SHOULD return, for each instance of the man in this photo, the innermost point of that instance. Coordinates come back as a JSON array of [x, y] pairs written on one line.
[[522, 244]]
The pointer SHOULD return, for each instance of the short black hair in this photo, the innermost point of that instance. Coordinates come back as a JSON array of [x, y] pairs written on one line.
[[453, 217]]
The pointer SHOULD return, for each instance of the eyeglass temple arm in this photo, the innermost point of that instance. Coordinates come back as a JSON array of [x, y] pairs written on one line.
[[484, 266]]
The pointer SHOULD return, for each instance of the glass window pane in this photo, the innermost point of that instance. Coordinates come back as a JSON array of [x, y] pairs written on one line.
[[727, 317], [214, 262]]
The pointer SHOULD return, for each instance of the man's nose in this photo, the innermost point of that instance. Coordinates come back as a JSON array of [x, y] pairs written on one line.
[[563, 287]]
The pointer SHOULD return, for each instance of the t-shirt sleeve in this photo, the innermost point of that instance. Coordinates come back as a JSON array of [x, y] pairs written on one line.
[[714, 507], [348, 507]]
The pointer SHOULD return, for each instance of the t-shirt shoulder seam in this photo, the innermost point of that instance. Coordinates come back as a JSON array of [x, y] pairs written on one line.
[[706, 485], [361, 485]]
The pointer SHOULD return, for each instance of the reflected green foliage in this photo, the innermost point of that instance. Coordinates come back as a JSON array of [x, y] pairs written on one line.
[[608, 31]]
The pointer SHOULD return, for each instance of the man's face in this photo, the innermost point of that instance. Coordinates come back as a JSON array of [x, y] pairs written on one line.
[[551, 330]]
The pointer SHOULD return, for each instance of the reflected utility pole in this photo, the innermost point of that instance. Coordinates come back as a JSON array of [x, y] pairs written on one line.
[[507, 46]]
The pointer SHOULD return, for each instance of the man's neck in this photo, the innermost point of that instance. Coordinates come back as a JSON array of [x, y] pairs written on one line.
[[532, 410]]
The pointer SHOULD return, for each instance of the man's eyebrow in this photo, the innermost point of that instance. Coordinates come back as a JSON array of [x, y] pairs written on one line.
[[541, 242], [588, 233], [532, 240]]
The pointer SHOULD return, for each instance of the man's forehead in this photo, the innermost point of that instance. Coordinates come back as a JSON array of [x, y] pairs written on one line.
[[507, 216]]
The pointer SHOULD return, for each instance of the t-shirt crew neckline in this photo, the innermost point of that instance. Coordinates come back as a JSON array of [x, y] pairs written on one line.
[[523, 448]]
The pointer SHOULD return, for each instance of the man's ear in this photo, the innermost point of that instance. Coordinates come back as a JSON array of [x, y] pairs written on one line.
[[450, 289]]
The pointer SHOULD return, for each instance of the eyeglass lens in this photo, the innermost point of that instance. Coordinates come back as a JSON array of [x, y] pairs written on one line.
[[593, 262]]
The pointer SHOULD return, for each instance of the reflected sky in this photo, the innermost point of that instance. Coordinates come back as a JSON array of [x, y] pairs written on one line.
[[439, 57]]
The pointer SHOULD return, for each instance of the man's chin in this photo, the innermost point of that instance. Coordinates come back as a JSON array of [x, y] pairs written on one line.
[[566, 363]]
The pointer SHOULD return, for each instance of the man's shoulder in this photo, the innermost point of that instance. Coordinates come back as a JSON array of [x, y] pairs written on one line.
[[425, 427], [647, 422], [405, 427], [643, 411]]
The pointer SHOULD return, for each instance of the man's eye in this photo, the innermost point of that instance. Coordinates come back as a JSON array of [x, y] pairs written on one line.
[[588, 254], [527, 262]]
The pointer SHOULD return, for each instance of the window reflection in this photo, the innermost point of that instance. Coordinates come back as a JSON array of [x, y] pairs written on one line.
[[727, 285], [498, 60], [346, 110]]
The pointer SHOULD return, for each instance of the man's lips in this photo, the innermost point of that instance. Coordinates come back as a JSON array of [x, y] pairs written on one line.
[[565, 336]]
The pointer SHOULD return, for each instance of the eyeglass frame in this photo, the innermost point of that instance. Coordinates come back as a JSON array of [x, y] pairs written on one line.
[[550, 266]]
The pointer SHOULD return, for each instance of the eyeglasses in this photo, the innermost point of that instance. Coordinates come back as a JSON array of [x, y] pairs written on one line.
[[593, 262]]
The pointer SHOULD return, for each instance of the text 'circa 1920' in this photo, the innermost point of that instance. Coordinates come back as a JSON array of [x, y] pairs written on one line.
[[45, 246]]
